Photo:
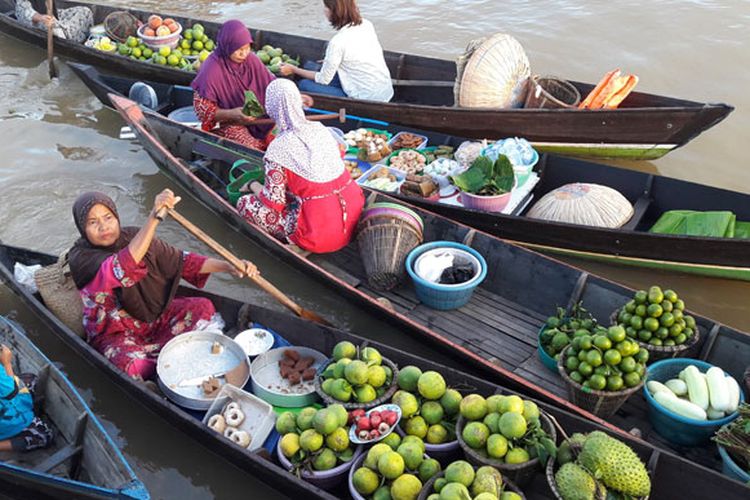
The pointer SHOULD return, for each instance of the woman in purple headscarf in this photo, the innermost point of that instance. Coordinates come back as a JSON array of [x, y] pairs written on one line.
[[221, 84]]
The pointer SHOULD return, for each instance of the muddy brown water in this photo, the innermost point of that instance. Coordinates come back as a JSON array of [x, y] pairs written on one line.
[[57, 141]]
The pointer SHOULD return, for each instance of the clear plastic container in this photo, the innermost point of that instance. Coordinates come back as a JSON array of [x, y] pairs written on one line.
[[259, 416]]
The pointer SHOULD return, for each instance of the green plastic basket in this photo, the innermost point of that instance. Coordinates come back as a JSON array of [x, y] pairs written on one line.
[[235, 183]]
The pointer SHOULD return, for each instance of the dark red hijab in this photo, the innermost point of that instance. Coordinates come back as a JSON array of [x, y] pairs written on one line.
[[150, 296]]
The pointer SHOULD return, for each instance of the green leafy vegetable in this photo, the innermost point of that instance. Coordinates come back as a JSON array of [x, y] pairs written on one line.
[[485, 178], [252, 105]]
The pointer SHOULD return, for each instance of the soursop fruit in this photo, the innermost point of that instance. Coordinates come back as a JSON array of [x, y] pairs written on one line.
[[574, 483], [615, 464]]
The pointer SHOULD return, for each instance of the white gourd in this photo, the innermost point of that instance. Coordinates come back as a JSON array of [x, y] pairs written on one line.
[[697, 387], [717, 389], [734, 394], [679, 387], [653, 387], [714, 414], [679, 406]]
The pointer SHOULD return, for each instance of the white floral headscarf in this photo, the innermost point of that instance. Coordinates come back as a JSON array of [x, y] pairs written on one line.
[[306, 148]]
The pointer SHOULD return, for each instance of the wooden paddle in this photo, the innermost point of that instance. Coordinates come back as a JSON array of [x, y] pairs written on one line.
[[50, 44], [227, 255], [341, 116]]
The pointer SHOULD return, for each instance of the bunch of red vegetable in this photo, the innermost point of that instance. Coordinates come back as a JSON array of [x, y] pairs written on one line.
[[373, 425]]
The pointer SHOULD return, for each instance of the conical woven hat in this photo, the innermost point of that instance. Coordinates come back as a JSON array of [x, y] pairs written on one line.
[[495, 75], [583, 204]]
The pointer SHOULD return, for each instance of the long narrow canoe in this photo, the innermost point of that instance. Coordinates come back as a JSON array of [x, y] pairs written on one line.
[[673, 476], [496, 332], [646, 126], [83, 461], [632, 244]]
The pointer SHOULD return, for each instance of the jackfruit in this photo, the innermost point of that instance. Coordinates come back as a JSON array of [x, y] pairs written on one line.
[[574, 483], [615, 464]]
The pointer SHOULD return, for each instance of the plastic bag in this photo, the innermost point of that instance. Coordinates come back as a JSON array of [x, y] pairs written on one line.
[[24, 276], [431, 267]]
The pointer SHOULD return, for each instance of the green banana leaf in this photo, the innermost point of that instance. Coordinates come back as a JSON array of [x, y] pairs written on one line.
[[712, 224], [486, 178], [742, 230], [252, 105]]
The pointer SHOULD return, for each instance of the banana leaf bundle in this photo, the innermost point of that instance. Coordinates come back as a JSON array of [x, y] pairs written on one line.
[[252, 106]]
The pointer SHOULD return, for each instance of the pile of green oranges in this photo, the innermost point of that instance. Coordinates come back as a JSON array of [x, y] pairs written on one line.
[[657, 318], [606, 361]]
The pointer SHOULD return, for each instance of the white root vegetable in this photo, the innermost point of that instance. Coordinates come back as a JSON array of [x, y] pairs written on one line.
[[681, 376], [679, 406], [734, 394], [717, 389], [679, 387], [697, 387], [653, 387], [714, 414]]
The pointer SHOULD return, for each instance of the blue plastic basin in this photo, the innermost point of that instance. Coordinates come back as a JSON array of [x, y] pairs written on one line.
[[546, 359], [444, 297], [676, 428], [730, 468]]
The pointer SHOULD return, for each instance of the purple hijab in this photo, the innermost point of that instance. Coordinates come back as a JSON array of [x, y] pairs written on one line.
[[224, 81]]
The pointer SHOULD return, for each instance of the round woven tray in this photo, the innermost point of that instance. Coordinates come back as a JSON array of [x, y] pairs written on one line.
[[657, 352], [384, 242], [387, 395], [426, 490], [600, 403], [550, 473], [521, 474]]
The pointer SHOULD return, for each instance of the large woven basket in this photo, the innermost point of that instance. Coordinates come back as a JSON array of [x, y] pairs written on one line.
[[387, 395], [427, 489], [656, 352], [60, 295], [521, 474], [492, 73], [120, 25], [384, 242], [583, 204], [550, 473], [601, 403]]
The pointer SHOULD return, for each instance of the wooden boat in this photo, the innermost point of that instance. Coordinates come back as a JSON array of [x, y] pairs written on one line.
[[83, 461], [632, 244], [673, 476], [496, 332], [646, 126]]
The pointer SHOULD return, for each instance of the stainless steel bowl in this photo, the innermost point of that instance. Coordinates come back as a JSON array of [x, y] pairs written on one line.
[[189, 356], [270, 387]]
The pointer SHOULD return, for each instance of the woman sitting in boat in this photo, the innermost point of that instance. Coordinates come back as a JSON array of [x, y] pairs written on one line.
[[221, 83], [308, 197], [354, 64], [72, 23], [20, 429], [128, 279]]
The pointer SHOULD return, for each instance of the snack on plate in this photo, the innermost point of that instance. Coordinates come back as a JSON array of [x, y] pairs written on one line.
[[409, 161], [373, 147], [419, 185], [353, 168], [383, 180], [405, 140], [295, 368]]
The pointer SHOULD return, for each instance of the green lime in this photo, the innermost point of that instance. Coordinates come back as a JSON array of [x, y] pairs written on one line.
[[594, 358], [641, 356], [651, 324], [640, 297], [669, 342], [585, 368], [597, 382], [582, 355], [630, 307], [586, 343], [644, 335], [679, 305], [678, 315], [667, 319], [688, 332], [636, 322], [675, 330], [553, 322], [655, 295], [656, 342], [616, 333], [626, 317], [614, 383], [576, 377], [680, 339], [671, 296], [662, 333], [602, 342], [571, 363], [641, 310], [612, 357], [667, 306], [631, 332], [627, 365], [603, 370], [655, 310], [631, 379], [690, 321]]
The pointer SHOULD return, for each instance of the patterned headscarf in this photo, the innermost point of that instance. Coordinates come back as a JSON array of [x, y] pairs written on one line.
[[306, 148]]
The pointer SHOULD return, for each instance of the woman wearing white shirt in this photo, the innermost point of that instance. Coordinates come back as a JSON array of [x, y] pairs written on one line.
[[354, 65]]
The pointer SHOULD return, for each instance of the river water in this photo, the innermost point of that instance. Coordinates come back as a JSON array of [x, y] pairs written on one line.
[[59, 141]]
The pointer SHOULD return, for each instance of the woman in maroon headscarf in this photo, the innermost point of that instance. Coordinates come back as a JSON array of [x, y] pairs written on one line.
[[128, 279]]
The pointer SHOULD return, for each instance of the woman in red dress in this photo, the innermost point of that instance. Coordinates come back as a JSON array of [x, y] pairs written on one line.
[[308, 197]]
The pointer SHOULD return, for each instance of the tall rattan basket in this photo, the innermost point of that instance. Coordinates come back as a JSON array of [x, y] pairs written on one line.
[[384, 242]]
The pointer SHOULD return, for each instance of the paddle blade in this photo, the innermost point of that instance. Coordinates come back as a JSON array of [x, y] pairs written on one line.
[[315, 318]]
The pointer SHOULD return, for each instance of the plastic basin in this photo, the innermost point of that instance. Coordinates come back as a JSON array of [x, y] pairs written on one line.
[[730, 468], [676, 428], [444, 297], [546, 359], [444, 453], [157, 42]]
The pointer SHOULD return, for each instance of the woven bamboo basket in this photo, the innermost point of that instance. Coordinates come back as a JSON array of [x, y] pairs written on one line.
[[387, 395], [520, 474], [492, 73], [585, 205], [601, 403], [120, 25], [656, 352], [427, 489], [550, 473], [60, 295], [384, 242]]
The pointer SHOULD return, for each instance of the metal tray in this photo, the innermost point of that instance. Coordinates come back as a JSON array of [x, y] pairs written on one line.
[[259, 415], [188, 356], [269, 386]]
